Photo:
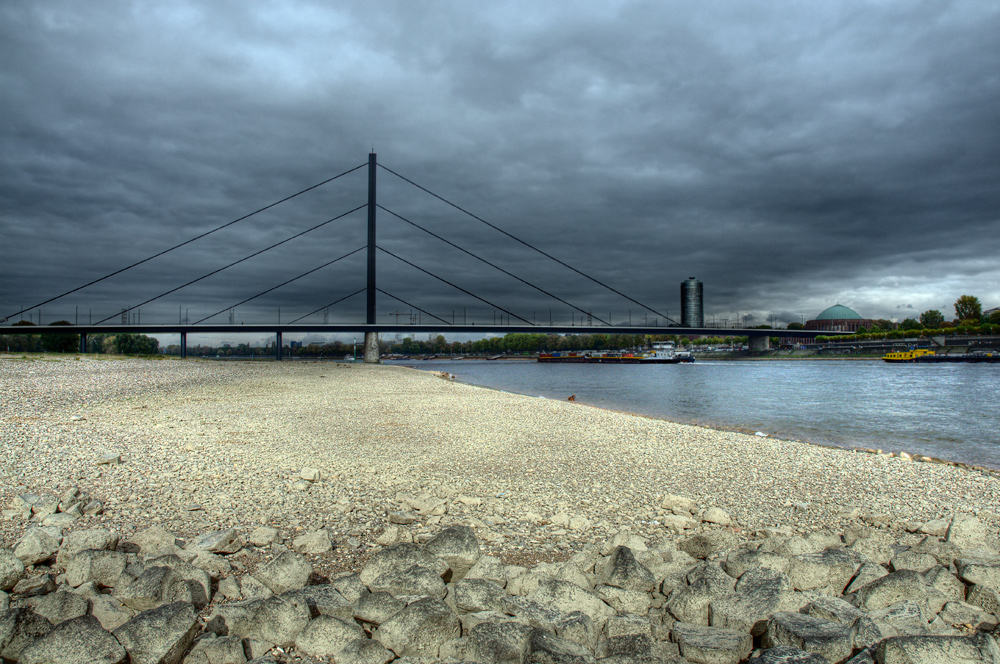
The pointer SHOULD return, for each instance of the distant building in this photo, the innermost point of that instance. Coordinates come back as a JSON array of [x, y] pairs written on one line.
[[838, 318], [692, 303]]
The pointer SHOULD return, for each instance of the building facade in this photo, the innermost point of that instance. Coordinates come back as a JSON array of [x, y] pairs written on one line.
[[692, 303]]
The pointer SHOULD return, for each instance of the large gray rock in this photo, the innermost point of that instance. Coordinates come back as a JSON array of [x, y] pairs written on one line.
[[690, 603], [705, 544], [316, 542], [891, 588], [59, 606], [20, 628], [980, 573], [960, 613], [739, 561], [414, 580], [105, 568], [828, 571], [622, 570], [458, 547], [38, 545], [975, 649], [288, 571], [327, 636], [156, 541], [78, 641], [110, 611], [565, 598], [786, 655], [11, 569], [629, 635], [547, 648], [324, 600], [376, 608], [217, 650], [100, 539], [202, 592], [985, 598], [276, 620], [710, 645], [830, 640], [159, 636], [474, 595], [364, 651], [499, 643], [401, 556], [489, 568], [759, 593], [219, 541], [420, 629], [157, 586], [968, 533]]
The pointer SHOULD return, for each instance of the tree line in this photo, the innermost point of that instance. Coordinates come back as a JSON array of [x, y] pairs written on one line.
[[108, 344]]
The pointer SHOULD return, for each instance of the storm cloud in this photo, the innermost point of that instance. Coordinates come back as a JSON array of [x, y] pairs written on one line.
[[790, 155]]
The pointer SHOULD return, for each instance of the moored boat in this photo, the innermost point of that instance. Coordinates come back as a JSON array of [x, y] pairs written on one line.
[[925, 356], [660, 354]]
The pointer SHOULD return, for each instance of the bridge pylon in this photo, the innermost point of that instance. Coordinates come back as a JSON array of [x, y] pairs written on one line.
[[371, 338]]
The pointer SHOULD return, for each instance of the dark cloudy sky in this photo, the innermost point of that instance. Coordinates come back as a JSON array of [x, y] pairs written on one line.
[[791, 155]]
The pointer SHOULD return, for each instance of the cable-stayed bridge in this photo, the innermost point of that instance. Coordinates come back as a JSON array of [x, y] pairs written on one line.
[[510, 321]]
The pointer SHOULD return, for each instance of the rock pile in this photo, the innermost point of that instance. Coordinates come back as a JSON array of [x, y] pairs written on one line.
[[858, 596]]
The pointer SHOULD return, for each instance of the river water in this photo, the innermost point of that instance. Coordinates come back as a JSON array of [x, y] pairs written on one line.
[[950, 411]]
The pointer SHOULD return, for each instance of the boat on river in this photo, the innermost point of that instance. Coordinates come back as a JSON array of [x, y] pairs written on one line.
[[660, 354], [925, 356]]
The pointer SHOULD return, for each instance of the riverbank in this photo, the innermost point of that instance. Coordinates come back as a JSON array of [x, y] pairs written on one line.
[[205, 445]]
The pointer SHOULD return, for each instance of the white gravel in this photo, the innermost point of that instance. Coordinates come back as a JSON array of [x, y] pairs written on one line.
[[208, 444]]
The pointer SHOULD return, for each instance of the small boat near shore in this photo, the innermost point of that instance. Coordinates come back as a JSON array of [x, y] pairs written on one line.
[[925, 356]]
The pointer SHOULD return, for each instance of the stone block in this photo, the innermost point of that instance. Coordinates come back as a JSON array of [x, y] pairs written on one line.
[[830, 640], [19, 628], [288, 571], [159, 636], [401, 556], [414, 580], [105, 568], [565, 598], [974, 649], [78, 641], [499, 643], [710, 645], [622, 570], [419, 629], [458, 547], [11, 569], [326, 636]]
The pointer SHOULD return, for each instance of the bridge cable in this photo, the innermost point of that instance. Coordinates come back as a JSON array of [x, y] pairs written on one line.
[[178, 246], [360, 290], [280, 285], [412, 305], [256, 253], [496, 306], [527, 244], [509, 274]]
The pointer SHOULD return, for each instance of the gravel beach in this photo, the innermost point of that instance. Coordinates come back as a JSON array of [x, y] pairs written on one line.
[[205, 445]]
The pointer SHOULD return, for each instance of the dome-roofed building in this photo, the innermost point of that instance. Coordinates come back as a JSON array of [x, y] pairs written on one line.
[[838, 318]]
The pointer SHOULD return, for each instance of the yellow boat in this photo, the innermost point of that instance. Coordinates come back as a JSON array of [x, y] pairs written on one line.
[[907, 355]]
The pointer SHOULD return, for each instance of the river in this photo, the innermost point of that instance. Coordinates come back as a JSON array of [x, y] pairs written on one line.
[[949, 411]]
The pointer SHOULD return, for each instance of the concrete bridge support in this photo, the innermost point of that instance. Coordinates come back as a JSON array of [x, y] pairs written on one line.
[[372, 355], [184, 345], [278, 352], [759, 342], [83, 343]]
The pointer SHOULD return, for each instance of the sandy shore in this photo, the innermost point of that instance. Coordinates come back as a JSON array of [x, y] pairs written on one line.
[[211, 444]]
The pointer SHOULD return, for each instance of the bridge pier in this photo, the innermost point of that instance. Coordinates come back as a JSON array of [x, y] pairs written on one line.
[[760, 342], [372, 355], [184, 345], [277, 355]]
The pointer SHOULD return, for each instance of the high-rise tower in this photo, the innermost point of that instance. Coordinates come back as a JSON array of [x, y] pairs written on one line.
[[692, 305]]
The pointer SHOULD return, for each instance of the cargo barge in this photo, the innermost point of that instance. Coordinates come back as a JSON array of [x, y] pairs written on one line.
[[924, 356]]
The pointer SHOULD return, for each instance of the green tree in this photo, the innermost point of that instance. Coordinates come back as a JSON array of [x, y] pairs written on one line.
[[910, 324], [60, 343], [796, 326], [994, 318], [931, 319], [968, 307]]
